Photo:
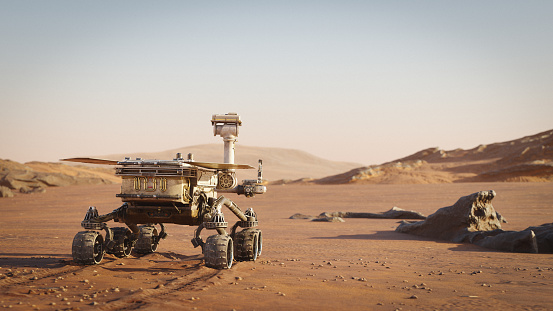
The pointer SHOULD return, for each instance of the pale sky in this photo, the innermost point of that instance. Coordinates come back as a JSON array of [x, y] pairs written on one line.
[[357, 81]]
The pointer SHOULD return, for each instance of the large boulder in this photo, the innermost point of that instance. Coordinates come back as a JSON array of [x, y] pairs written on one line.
[[473, 219], [393, 213], [470, 213], [537, 239], [5, 192], [507, 241], [16, 180], [56, 179], [544, 237]]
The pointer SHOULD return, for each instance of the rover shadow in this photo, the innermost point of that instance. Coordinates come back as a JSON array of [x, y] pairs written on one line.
[[168, 256], [28, 260], [159, 262]]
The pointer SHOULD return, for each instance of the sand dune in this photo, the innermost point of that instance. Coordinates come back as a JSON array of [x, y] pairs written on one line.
[[526, 159], [35, 177], [278, 163]]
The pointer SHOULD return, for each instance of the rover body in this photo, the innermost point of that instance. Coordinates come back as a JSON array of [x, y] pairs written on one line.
[[178, 191]]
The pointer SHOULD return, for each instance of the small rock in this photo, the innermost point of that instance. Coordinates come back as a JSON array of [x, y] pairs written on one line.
[[5, 192], [329, 219]]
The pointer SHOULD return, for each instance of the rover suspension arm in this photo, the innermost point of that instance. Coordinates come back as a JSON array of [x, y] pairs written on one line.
[[92, 219], [218, 205], [92, 214], [246, 220]]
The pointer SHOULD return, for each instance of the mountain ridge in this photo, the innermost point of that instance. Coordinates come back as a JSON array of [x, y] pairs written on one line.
[[278, 163], [529, 158]]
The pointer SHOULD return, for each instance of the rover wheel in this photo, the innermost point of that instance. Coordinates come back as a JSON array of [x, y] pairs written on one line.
[[147, 241], [88, 248], [123, 242], [249, 244], [219, 252]]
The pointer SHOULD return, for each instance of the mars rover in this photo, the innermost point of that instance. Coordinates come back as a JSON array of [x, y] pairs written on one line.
[[179, 191]]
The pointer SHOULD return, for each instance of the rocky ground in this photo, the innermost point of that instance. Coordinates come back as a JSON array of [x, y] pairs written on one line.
[[359, 263]]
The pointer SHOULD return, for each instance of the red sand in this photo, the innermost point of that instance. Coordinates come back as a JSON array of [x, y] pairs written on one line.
[[359, 264]]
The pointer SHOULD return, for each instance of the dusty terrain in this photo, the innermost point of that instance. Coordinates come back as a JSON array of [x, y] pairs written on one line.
[[305, 265]]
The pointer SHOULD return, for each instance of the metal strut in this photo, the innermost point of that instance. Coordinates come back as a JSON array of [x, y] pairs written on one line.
[[221, 200], [97, 222]]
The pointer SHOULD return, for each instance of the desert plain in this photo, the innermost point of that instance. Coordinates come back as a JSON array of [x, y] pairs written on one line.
[[359, 264]]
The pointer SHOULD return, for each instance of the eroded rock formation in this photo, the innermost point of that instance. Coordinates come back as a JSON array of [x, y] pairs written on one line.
[[35, 177], [473, 219], [469, 214], [393, 213]]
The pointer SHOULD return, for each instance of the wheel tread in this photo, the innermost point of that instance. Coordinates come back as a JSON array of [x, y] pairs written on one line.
[[248, 244], [218, 253], [146, 242], [83, 248]]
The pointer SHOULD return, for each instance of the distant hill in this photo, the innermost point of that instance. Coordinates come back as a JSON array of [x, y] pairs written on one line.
[[34, 177], [526, 159], [278, 163]]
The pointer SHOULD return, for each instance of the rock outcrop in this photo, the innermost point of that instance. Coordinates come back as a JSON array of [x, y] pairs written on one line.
[[528, 159], [35, 177], [473, 219], [5, 192], [393, 213], [453, 223]]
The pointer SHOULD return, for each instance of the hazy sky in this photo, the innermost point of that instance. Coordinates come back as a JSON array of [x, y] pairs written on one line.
[[359, 81]]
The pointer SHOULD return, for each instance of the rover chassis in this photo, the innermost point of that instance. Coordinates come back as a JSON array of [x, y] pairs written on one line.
[[178, 191]]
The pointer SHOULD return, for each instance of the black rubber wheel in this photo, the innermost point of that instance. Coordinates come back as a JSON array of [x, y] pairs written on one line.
[[123, 242], [88, 248], [218, 252], [248, 244], [147, 241]]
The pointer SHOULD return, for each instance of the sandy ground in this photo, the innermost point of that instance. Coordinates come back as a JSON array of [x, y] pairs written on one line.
[[359, 264]]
